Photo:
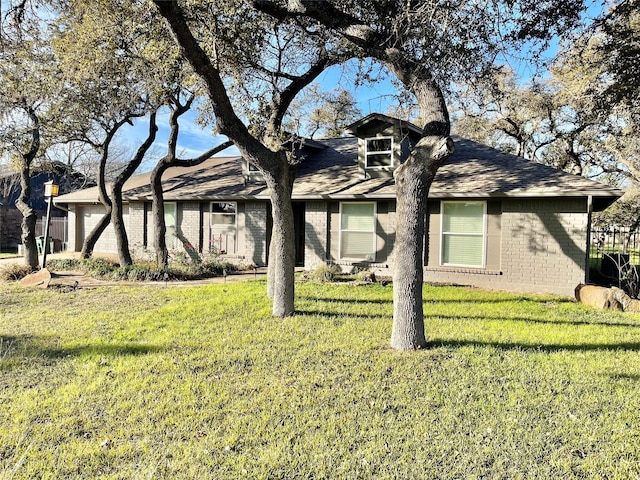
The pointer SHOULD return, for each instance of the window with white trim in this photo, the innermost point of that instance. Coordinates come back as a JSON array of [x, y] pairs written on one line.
[[358, 231], [378, 152], [223, 227], [464, 227]]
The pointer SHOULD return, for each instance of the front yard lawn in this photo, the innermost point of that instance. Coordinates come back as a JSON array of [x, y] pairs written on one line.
[[202, 382]]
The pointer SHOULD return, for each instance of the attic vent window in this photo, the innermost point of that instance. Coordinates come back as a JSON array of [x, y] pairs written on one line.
[[379, 152]]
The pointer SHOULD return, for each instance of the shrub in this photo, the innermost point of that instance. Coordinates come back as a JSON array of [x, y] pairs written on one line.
[[181, 267], [213, 265], [65, 264], [366, 276], [98, 267], [14, 271], [325, 272]]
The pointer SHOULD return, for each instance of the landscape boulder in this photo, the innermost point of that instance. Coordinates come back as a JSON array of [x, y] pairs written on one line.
[[606, 298], [41, 279]]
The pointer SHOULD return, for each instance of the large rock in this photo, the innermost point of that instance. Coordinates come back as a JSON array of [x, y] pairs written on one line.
[[41, 279], [604, 298]]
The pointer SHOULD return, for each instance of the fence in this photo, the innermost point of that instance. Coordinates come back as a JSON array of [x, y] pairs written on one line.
[[58, 230], [618, 240]]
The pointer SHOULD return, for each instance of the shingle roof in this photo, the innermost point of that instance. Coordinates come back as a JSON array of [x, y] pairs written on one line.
[[474, 170]]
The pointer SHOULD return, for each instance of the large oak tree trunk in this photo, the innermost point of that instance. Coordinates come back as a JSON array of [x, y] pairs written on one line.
[[117, 220], [413, 180], [22, 203], [157, 212], [117, 210], [28, 220], [282, 249], [91, 240]]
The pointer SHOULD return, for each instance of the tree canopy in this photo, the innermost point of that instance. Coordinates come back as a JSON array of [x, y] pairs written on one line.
[[582, 117]]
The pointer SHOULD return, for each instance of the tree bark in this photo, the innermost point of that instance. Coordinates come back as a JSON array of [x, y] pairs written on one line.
[[117, 212], [273, 164], [157, 212], [171, 160], [117, 220], [28, 219], [271, 266], [22, 203], [90, 240], [282, 249], [413, 180]]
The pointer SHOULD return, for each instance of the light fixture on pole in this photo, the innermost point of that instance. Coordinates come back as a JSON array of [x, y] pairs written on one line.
[[50, 191]]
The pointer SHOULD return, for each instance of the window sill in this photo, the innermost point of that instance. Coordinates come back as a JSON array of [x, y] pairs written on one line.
[[466, 270], [351, 263]]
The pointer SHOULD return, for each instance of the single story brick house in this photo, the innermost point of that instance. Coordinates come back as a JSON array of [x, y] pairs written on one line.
[[494, 219]]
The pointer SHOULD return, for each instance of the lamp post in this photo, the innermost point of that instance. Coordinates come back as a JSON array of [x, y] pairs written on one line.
[[50, 191]]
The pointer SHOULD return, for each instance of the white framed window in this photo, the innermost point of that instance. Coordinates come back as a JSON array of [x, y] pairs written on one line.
[[378, 152], [223, 227], [464, 228], [171, 223], [358, 231]]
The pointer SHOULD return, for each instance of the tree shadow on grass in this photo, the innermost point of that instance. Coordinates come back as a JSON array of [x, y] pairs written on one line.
[[559, 323], [357, 301], [625, 376], [40, 347], [435, 301], [546, 348], [339, 315], [514, 299], [109, 350]]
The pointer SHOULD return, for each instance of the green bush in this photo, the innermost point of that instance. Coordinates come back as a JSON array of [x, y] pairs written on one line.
[[98, 267], [366, 276], [181, 267], [66, 264], [212, 265], [325, 272]]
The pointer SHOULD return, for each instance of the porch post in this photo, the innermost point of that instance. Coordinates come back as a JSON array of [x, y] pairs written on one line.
[[587, 266]]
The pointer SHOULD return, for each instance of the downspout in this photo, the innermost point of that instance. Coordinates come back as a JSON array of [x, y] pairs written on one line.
[[587, 266]]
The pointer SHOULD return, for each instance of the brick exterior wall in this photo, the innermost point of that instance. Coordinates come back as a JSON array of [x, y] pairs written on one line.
[[254, 246], [542, 249], [89, 215], [188, 231], [136, 232], [544, 246], [315, 233], [533, 245]]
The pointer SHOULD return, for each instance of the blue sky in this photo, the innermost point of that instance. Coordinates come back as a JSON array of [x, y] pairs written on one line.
[[194, 139]]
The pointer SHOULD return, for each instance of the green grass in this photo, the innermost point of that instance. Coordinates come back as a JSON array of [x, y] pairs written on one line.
[[202, 382]]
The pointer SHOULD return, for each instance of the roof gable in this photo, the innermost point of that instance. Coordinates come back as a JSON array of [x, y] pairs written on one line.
[[378, 120]]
